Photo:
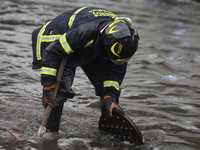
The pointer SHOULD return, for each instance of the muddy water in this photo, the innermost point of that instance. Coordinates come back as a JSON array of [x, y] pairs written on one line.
[[160, 93]]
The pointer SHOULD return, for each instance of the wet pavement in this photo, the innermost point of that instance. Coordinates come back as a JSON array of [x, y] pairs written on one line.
[[160, 92]]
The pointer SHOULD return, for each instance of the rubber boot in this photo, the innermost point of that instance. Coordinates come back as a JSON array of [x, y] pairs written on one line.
[[54, 118]]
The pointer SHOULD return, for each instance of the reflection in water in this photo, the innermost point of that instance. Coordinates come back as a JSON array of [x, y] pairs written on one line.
[[160, 93]]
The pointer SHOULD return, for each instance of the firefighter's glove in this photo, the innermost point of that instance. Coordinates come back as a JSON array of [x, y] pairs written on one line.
[[109, 103], [48, 96]]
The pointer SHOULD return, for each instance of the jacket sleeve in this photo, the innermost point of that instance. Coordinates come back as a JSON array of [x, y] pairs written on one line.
[[114, 76], [74, 40], [68, 43]]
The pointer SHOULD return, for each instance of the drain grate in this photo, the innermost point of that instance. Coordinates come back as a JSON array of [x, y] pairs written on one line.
[[120, 127]]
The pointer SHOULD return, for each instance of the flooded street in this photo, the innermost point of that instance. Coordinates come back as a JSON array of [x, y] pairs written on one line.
[[160, 93]]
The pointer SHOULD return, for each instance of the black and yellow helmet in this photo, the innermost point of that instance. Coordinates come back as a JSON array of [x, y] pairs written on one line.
[[120, 40]]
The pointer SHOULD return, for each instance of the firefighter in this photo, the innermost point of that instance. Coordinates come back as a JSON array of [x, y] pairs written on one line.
[[95, 39]]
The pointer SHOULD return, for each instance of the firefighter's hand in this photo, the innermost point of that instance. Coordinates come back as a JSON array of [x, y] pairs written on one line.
[[48, 96], [110, 103]]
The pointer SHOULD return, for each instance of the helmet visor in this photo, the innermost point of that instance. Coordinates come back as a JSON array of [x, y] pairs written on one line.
[[120, 61]]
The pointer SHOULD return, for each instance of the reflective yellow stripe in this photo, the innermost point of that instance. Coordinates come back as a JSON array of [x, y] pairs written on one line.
[[39, 40], [110, 83], [50, 38], [89, 43], [116, 21], [65, 44], [48, 71], [71, 20]]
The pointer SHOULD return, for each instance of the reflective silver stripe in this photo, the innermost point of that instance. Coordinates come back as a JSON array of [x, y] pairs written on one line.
[[89, 43], [39, 40], [48, 71], [50, 38], [110, 83], [65, 44], [71, 20]]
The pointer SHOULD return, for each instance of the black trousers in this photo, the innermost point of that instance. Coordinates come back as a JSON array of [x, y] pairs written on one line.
[[96, 77]]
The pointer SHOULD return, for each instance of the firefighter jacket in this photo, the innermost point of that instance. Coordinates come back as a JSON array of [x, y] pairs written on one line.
[[76, 33]]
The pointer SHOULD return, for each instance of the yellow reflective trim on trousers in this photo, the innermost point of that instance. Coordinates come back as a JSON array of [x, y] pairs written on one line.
[[71, 20], [39, 40], [48, 71], [65, 44], [89, 43], [50, 38], [110, 83]]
